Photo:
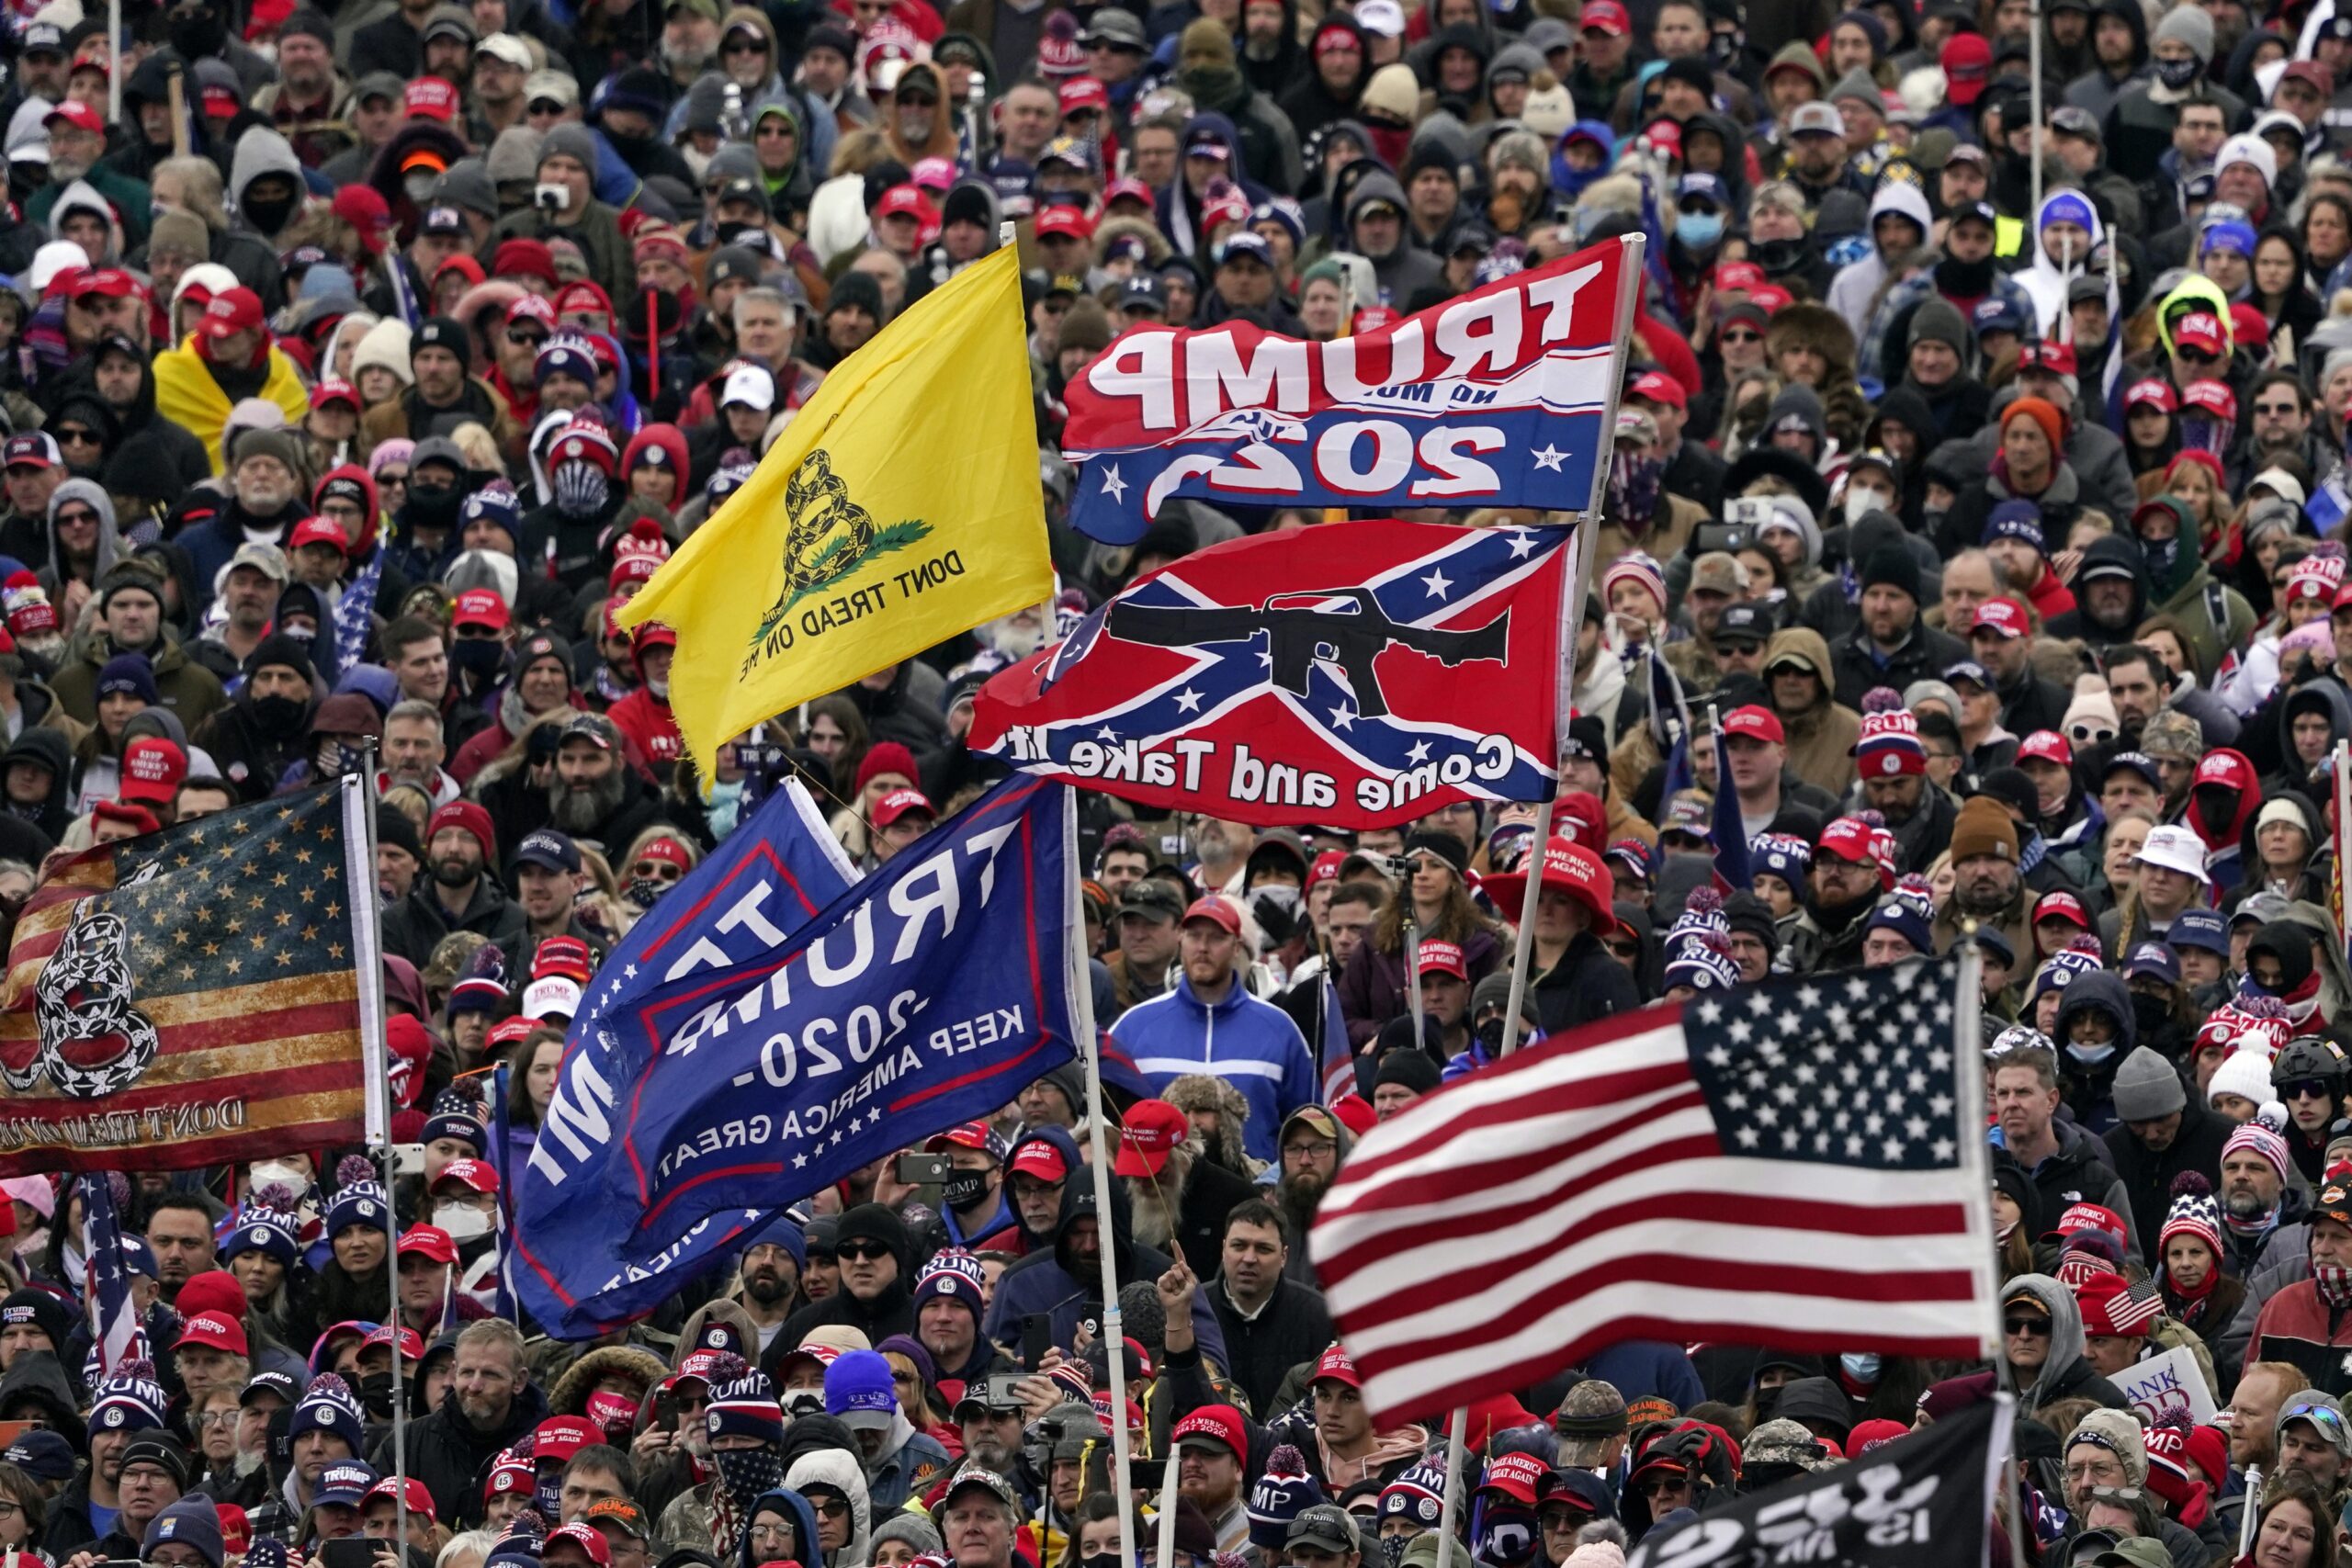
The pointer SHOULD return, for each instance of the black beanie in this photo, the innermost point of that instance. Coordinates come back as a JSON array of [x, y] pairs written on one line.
[[441, 332], [1893, 566], [1445, 846], [872, 1222], [1430, 152], [1746, 912], [394, 828], [1411, 1068], [43, 1311], [280, 648], [856, 289]]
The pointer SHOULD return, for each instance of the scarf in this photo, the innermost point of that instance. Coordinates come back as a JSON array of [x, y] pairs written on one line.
[[2188, 1305], [2254, 1231], [2334, 1282]]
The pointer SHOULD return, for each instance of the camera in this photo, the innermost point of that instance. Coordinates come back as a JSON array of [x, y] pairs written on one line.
[[1726, 537], [551, 198]]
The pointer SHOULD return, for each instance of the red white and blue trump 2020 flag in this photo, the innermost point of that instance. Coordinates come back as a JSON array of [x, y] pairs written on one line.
[[1357, 673], [1494, 398], [1780, 1165]]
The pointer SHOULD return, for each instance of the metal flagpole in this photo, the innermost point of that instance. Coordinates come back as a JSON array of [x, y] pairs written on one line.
[[368, 905], [114, 73], [1975, 1156], [1449, 1506], [2033, 91], [1413, 967], [1081, 995], [1166, 1552]]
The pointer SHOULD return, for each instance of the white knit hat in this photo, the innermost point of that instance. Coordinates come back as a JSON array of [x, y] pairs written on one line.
[[2245, 1073]]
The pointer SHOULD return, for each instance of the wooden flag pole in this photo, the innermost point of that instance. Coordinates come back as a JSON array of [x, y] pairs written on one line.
[[1449, 1506]]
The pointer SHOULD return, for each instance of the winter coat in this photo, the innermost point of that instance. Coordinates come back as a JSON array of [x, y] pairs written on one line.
[[1820, 740], [2078, 1173], [188, 395], [414, 926], [448, 1452], [251, 761], [2296, 1326], [186, 687], [1239, 1037], [2063, 1374], [1584, 985], [1371, 987], [1294, 1325], [2147, 1175], [1857, 666]]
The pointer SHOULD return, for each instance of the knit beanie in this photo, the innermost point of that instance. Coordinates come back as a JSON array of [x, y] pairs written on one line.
[[2248, 1075], [885, 757], [913, 1528], [2253, 1137], [1892, 566], [455, 1116], [2043, 413], [2193, 1212], [858, 1389], [190, 1521], [1280, 1494], [1984, 828], [40, 1309], [327, 1405], [1937, 319], [1702, 960], [1904, 917], [359, 1197], [572, 140], [2147, 1087], [872, 1222], [2191, 24], [745, 1405], [129, 672], [130, 1401]]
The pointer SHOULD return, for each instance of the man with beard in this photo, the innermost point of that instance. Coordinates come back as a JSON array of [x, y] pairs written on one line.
[[768, 1288], [440, 359], [2304, 1324], [1986, 885], [249, 592], [1891, 645], [266, 501], [2111, 597], [1313, 1145], [1177, 1197], [1271, 1322], [131, 620], [1844, 883], [490, 1405], [264, 729], [1066, 1282], [2281, 410], [459, 843], [2257, 1201], [595, 794], [992, 1431], [1894, 766]]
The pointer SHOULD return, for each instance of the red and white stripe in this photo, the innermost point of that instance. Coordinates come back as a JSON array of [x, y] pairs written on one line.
[[1505, 1227]]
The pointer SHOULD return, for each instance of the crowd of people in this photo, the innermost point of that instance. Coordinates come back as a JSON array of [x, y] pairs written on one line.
[[363, 362]]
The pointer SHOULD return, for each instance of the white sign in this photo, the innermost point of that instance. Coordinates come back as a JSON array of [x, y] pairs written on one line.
[[2169, 1381]]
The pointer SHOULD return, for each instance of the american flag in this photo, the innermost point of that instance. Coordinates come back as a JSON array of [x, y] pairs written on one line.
[[1784, 1165], [1335, 1057], [116, 1334], [355, 612]]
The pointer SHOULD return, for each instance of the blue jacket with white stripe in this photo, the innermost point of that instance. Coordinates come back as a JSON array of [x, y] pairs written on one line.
[[1251, 1044]]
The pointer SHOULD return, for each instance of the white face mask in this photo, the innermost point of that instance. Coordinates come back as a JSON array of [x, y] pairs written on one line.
[[463, 1223], [1862, 502], [286, 1175]]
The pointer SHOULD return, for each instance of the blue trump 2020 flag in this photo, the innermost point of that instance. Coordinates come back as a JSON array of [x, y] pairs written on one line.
[[779, 868], [924, 997]]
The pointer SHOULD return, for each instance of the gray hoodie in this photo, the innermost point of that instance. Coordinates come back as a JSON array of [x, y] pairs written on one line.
[[93, 495], [2065, 1340], [261, 150]]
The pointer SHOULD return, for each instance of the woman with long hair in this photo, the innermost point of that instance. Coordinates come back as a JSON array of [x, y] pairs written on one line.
[[264, 1255], [837, 733], [354, 1282], [2295, 1528], [1436, 899]]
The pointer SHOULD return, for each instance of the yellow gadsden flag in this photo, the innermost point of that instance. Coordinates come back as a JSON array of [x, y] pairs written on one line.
[[900, 507]]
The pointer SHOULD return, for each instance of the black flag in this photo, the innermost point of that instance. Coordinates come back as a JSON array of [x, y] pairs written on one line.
[[1930, 1492]]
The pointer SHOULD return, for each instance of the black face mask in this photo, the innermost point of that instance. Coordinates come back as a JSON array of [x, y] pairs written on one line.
[[2150, 1014], [2178, 74], [430, 506], [1777, 256], [1723, 48], [376, 1394], [2215, 809], [478, 656], [741, 233], [197, 31], [1966, 277], [267, 214], [964, 1188], [1490, 1036], [279, 717]]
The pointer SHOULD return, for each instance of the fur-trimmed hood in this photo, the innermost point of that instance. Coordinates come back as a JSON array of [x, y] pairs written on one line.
[[630, 1362], [1817, 327], [1202, 1091]]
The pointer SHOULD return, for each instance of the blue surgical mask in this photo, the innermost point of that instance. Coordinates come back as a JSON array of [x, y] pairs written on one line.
[[2090, 1056], [1698, 230], [1862, 1367]]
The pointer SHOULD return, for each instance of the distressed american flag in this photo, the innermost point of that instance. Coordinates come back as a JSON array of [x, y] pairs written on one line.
[[1782, 1164]]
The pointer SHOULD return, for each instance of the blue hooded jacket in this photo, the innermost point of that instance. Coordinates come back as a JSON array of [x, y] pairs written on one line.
[[1068, 1289], [783, 1499]]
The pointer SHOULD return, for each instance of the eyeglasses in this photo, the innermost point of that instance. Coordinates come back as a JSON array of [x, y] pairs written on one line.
[[861, 1252], [2280, 411], [655, 870], [2305, 1088], [1741, 337], [1663, 1485], [2034, 1328], [830, 1507], [748, 46], [1295, 1152], [770, 1532]]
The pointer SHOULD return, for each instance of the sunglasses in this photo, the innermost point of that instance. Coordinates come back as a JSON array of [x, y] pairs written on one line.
[[830, 1508], [861, 1252], [77, 515], [1741, 337], [2305, 1088], [70, 435], [2325, 1418], [545, 106], [525, 340], [655, 870], [2090, 734], [749, 47], [1662, 1486], [2037, 1327], [1623, 949]]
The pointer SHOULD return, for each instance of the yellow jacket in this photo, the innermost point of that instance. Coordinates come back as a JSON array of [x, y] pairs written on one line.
[[187, 394]]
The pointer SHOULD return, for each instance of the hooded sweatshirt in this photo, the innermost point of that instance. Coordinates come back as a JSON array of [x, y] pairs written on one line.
[[2087, 1073], [93, 495], [2063, 1373], [839, 1471], [1855, 290]]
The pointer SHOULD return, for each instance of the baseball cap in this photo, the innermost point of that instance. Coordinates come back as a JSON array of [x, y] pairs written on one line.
[[1149, 1136], [2005, 616], [1756, 723], [902, 802], [1216, 910], [1605, 16]]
